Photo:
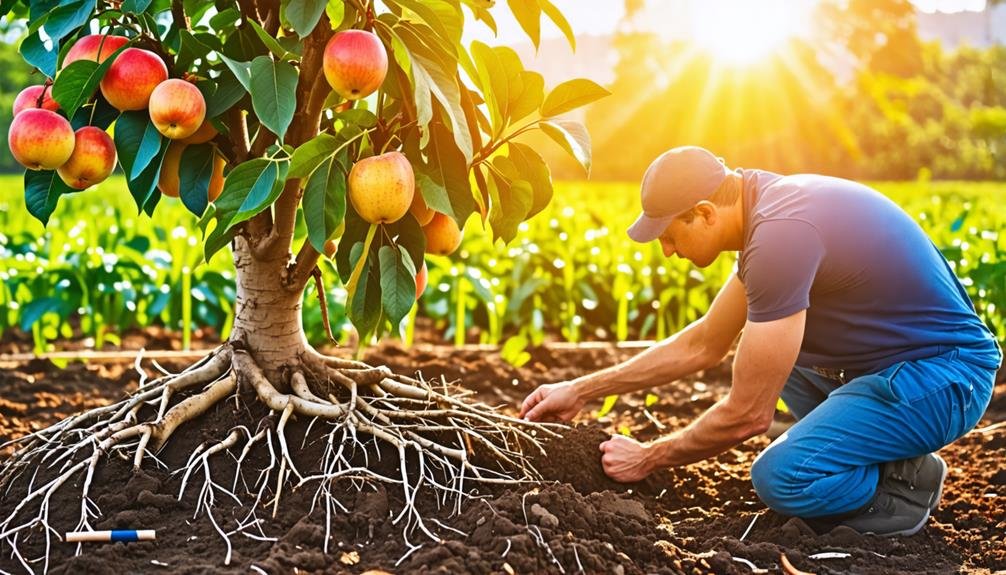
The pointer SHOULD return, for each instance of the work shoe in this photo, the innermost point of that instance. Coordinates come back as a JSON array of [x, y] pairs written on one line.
[[889, 515], [919, 479]]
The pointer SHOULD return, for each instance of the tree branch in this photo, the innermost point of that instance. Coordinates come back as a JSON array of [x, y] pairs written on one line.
[[311, 93], [307, 261], [319, 285], [249, 9], [238, 135], [178, 14]]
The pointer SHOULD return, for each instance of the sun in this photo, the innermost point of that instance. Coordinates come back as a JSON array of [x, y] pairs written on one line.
[[742, 32]]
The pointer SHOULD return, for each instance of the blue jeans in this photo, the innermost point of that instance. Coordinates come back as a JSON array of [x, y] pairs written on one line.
[[828, 463]]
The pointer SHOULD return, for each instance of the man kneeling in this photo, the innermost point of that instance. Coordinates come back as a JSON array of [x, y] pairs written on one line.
[[848, 312]]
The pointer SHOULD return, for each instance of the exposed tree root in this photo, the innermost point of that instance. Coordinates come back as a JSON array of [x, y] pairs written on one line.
[[453, 442]]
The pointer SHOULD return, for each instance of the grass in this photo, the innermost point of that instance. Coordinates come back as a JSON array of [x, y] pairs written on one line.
[[98, 268]]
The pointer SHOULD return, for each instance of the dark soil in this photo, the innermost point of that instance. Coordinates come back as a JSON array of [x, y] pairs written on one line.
[[685, 520]]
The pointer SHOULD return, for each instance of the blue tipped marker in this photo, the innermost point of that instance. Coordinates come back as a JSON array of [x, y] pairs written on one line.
[[126, 535]]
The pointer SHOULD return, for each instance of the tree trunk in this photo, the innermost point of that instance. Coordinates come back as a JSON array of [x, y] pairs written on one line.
[[267, 317]]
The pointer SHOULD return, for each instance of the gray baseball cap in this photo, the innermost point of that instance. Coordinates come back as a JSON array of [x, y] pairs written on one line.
[[676, 181]]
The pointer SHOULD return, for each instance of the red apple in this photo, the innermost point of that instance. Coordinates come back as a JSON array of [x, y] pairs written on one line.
[[40, 139], [95, 47], [355, 63], [28, 98], [177, 108], [381, 187], [129, 81], [421, 278], [442, 235], [92, 161]]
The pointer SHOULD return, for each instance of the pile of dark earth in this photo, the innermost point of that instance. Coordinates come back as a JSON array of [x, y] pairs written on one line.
[[703, 518]]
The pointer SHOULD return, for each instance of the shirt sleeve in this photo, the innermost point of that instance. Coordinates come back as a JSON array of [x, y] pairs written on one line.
[[780, 264]]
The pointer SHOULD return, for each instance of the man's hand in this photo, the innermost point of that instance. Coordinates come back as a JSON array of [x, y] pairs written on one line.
[[552, 402], [626, 460]]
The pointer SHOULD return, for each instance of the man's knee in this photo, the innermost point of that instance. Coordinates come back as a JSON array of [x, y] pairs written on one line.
[[773, 478]]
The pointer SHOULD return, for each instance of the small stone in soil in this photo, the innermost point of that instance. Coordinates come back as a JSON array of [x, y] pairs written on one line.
[[545, 519]]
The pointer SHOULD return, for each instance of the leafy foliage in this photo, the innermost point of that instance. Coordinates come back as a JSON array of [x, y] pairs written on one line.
[[453, 110]]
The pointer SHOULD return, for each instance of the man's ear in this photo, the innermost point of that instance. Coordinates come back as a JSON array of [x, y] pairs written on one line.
[[707, 211]]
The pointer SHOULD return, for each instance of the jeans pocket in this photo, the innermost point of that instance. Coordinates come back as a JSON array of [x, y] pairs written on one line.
[[879, 385]]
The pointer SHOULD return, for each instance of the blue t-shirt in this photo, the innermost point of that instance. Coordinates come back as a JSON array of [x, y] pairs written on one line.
[[876, 289]]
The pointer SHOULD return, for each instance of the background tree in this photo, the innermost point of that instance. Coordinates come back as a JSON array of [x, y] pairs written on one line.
[[375, 130]]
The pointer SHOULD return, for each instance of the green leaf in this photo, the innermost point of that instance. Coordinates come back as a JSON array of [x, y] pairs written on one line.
[[194, 171], [398, 282], [303, 15], [243, 44], [75, 85], [444, 19], [143, 188], [99, 114], [129, 131], [152, 200], [36, 309], [513, 350], [361, 262], [324, 202], [365, 308], [360, 118], [528, 14], [34, 52], [150, 145], [573, 138], [494, 82], [571, 95], [409, 234], [77, 82], [274, 93], [190, 49], [38, 10], [444, 87], [225, 18], [336, 11], [42, 190], [355, 231], [218, 237], [532, 169], [309, 155], [443, 180], [511, 202], [67, 18], [530, 98], [250, 188], [227, 92], [241, 70], [135, 6], [560, 21], [279, 50]]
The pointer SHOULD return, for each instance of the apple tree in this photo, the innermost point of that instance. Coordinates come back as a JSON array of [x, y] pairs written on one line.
[[372, 123]]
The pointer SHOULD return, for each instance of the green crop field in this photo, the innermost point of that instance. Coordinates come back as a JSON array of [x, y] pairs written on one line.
[[99, 269]]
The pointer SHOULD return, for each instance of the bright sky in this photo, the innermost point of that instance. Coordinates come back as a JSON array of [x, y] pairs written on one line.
[[600, 17]]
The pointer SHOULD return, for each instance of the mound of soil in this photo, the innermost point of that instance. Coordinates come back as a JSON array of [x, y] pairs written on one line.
[[696, 519]]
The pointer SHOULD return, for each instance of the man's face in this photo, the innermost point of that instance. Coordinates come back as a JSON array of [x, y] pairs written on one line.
[[694, 241]]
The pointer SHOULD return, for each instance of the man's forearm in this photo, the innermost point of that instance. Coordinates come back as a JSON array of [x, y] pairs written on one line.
[[678, 356], [716, 431]]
